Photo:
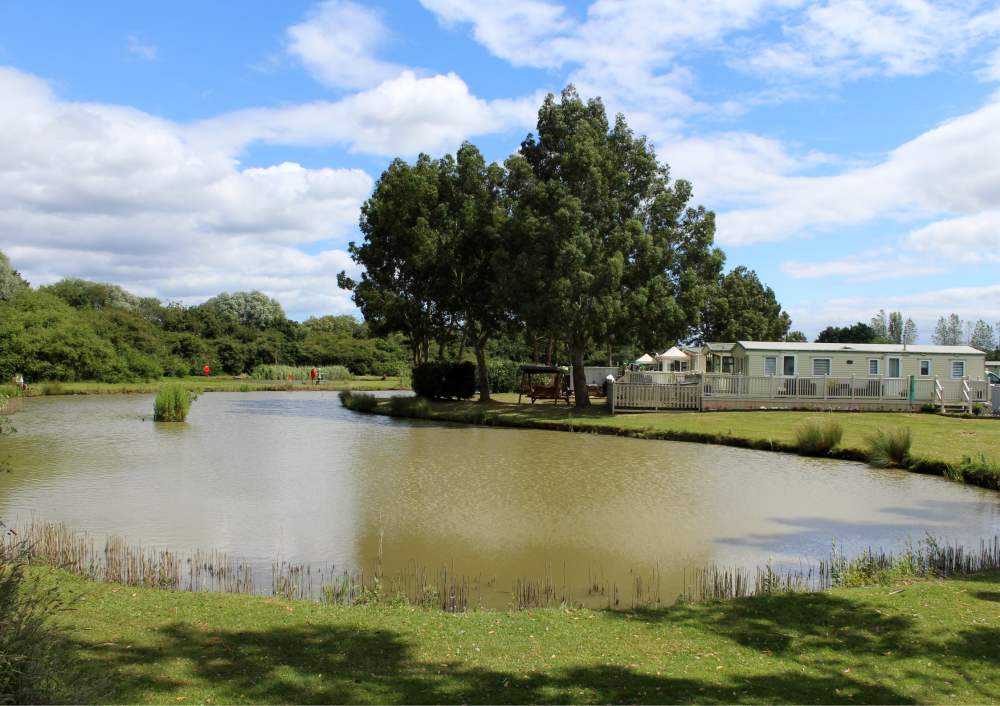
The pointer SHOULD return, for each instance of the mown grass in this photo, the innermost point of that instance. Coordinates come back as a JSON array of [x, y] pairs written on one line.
[[935, 641]]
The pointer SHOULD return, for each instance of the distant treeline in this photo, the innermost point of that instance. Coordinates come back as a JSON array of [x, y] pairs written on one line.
[[81, 330]]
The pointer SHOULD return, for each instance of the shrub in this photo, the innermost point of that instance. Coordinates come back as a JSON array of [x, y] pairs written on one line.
[[504, 375], [172, 403], [445, 380], [816, 439], [408, 406], [928, 408], [52, 387], [358, 402], [890, 450], [977, 409]]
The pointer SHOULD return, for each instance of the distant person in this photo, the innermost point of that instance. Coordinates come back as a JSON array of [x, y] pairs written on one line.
[[384, 376], [19, 381], [312, 374]]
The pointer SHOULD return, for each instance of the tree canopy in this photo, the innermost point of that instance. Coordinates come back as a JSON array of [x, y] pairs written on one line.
[[858, 333], [740, 307], [253, 309]]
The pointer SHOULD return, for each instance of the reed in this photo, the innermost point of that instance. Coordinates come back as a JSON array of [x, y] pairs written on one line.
[[817, 439], [52, 387], [10, 399], [408, 406], [299, 372], [889, 449], [358, 402], [172, 404]]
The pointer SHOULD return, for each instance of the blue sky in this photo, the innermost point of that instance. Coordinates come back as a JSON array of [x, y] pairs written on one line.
[[849, 148]]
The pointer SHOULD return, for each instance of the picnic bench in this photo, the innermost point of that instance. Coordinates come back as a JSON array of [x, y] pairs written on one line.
[[557, 389]]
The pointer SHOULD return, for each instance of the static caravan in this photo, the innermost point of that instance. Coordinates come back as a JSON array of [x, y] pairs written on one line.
[[844, 360]]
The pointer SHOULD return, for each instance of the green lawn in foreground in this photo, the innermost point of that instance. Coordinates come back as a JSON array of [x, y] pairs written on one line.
[[219, 383], [937, 641], [945, 438]]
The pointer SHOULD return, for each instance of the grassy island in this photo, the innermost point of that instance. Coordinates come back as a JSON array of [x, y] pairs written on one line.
[[915, 642]]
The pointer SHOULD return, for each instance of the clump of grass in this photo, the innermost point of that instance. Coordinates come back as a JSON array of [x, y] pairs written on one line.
[[358, 402], [815, 439], [52, 387], [413, 407], [38, 662], [299, 372], [172, 404], [979, 466], [889, 449]]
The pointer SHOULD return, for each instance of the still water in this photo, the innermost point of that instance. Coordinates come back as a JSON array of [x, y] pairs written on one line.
[[296, 476]]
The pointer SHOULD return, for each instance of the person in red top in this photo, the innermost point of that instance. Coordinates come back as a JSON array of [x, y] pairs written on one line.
[[312, 374]]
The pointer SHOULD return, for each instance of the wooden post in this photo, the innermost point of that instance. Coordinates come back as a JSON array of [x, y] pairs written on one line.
[[852, 386]]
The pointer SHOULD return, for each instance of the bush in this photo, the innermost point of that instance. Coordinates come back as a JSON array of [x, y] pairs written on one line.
[[52, 387], [977, 409], [445, 380], [172, 403], [504, 375], [815, 439], [407, 406], [928, 408], [358, 402], [890, 450]]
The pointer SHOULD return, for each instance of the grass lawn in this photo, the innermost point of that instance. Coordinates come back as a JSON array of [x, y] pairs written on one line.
[[214, 383], [936, 641], [934, 436]]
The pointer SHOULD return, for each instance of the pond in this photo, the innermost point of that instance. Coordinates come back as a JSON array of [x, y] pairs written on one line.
[[268, 475]]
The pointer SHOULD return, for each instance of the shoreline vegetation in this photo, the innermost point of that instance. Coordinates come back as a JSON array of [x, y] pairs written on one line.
[[959, 449], [198, 385], [903, 630]]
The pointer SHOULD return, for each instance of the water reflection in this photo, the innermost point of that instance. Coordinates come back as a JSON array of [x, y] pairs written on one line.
[[296, 475]]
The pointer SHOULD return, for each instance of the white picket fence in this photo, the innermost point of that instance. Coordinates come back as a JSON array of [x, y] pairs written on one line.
[[668, 390]]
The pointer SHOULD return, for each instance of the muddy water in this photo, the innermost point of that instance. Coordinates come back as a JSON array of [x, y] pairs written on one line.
[[297, 476]]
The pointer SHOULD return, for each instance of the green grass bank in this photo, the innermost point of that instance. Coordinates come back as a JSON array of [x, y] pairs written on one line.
[[941, 444], [915, 642]]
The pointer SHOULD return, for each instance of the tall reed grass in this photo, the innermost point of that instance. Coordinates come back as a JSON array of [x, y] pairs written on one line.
[[172, 404], [816, 439], [889, 449], [52, 387], [10, 399], [408, 406], [358, 402], [301, 372]]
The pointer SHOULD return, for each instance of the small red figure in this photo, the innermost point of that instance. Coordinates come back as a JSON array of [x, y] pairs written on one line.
[[206, 370], [312, 374]]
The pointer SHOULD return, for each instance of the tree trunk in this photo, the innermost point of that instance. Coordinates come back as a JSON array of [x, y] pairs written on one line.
[[484, 378], [534, 343], [442, 355], [427, 349], [548, 350], [461, 349], [579, 375], [609, 355]]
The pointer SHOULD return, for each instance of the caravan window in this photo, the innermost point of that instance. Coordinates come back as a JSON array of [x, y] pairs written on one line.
[[925, 368], [821, 366], [895, 367], [788, 365], [873, 366], [957, 369], [770, 365], [727, 364]]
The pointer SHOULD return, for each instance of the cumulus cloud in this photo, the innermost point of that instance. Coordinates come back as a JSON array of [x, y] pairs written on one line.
[[971, 303], [401, 116], [113, 193], [963, 240], [336, 43], [141, 49]]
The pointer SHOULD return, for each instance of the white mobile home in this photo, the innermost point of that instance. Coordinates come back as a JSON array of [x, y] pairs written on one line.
[[844, 360]]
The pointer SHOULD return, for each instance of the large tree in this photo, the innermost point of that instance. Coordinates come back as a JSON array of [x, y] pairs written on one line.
[[949, 332], [603, 246], [859, 333], [742, 308]]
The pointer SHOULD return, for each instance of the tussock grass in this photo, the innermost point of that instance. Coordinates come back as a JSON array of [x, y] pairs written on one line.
[[52, 387], [358, 402], [412, 407], [815, 438], [172, 404], [10, 399], [889, 449]]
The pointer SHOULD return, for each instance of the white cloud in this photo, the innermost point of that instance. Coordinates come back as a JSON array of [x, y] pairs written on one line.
[[336, 43], [971, 303], [112, 193], [950, 169], [401, 116], [963, 240], [143, 50], [853, 268]]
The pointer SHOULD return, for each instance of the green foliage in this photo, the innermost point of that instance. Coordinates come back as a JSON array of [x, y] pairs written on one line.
[[795, 337], [52, 387], [504, 375], [889, 449], [816, 439], [436, 380], [741, 308], [358, 402], [891, 329], [949, 331], [302, 372], [251, 309], [172, 404], [11, 284], [39, 664], [859, 333], [928, 407], [343, 325], [84, 294], [409, 406]]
